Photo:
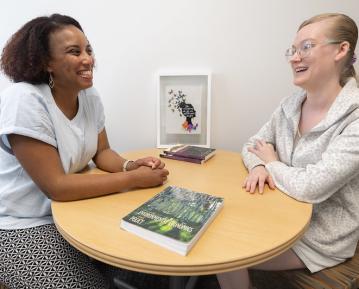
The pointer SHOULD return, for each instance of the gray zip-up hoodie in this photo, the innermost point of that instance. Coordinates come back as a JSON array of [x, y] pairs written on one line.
[[322, 169]]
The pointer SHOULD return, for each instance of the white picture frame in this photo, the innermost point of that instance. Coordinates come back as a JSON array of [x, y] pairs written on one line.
[[183, 109]]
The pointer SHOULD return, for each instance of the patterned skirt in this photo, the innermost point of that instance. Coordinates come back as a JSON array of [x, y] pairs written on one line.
[[40, 258]]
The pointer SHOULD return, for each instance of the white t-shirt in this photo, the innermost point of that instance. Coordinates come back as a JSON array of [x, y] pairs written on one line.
[[30, 110]]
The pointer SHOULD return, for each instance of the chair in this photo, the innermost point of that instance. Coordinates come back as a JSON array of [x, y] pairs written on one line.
[[342, 276]]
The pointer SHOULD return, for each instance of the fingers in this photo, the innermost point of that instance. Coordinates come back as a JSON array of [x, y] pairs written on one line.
[[252, 149], [258, 176], [257, 147], [148, 177], [152, 162], [261, 182], [245, 182], [271, 183], [164, 179], [165, 172], [250, 184], [161, 165], [253, 186], [156, 163], [260, 143]]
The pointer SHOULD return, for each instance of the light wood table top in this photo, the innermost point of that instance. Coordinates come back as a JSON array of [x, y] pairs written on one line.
[[250, 228]]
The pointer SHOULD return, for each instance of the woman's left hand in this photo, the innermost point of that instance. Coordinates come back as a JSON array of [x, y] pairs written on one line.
[[265, 151], [151, 162]]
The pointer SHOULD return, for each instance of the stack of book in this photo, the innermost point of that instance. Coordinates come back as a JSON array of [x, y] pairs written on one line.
[[188, 153], [175, 218]]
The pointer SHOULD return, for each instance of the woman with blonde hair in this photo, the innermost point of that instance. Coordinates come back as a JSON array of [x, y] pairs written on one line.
[[309, 148]]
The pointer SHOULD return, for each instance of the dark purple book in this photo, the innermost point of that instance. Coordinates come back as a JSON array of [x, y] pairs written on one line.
[[191, 152], [179, 158]]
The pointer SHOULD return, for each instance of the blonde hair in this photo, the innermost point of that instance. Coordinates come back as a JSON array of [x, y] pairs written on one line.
[[342, 29]]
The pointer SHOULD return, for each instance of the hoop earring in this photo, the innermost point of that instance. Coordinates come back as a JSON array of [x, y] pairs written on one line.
[[51, 82]]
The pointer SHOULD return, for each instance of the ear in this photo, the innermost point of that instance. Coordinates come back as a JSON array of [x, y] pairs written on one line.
[[48, 68], [342, 51]]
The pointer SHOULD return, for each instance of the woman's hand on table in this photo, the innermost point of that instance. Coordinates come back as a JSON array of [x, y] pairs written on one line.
[[265, 151], [148, 177], [258, 176], [152, 162]]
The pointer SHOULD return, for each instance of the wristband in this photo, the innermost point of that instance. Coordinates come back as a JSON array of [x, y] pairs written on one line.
[[125, 164]]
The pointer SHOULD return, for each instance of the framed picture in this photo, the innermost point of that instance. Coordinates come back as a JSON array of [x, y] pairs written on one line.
[[184, 106]]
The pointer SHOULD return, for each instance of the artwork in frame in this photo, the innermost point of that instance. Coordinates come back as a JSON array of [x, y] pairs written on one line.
[[184, 106]]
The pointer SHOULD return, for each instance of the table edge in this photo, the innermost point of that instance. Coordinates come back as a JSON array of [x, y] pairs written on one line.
[[182, 270]]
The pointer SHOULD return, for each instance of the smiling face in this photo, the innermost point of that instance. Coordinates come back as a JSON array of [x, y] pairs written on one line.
[[71, 62], [322, 63]]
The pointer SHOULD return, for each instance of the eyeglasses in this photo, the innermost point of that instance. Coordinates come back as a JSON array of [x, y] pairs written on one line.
[[305, 48]]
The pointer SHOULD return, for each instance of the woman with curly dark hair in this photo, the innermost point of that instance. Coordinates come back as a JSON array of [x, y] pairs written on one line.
[[51, 126]]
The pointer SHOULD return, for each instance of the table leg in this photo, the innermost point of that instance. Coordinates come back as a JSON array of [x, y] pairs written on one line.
[[191, 282], [182, 282], [122, 284], [176, 282]]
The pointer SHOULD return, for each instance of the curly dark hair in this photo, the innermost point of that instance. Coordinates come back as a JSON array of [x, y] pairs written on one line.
[[26, 54]]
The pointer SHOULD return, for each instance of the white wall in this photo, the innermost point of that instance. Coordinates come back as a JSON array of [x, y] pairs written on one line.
[[241, 42]]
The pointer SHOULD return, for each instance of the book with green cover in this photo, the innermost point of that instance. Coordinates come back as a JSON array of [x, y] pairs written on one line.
[[174, 218]]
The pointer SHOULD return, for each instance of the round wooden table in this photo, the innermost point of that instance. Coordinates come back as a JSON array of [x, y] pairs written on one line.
[[250, 229]]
